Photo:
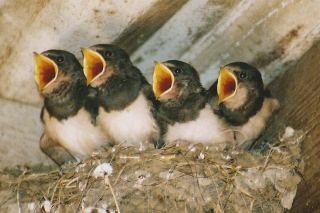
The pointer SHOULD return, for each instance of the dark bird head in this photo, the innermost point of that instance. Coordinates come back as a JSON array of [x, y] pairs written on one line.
[[174, 80], [54, 68], [102, 61], [109, 69], [240, 89]]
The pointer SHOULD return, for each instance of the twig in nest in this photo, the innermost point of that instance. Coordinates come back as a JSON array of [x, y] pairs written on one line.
[[85, 188], [195, 177], [267, 159], [228, 197], [251, 205], [167, 157], [129, 157], [55, 189], [244, 201], [18, 192], [18, 201], [119, 174], [107, 182]]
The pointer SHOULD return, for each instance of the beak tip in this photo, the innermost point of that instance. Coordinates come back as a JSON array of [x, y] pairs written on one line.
[[35, 54]]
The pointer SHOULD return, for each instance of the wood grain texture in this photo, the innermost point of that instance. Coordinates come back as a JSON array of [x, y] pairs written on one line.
[[210, 33], [299, 94], [147, 24], [59, 24]]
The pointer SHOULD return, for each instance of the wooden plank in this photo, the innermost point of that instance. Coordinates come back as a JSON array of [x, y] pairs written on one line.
[[270, 34], [65, 25], [20, 130], [193, 21], [299, 93], [147, 24]]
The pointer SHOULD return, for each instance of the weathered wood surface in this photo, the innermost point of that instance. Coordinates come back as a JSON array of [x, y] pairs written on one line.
[[269, 34], [19, 135], [147, 24], [69, 25], [299, 93], [207, 33]]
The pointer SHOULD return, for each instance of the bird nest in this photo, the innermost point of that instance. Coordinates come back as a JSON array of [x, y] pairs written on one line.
[[190, 178]]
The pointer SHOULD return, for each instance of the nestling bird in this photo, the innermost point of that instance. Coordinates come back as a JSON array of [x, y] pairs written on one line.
[[184, 107], [68, 113], [127, 104], [239, 96]]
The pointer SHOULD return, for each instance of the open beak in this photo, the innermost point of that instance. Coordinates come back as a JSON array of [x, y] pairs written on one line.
[[163, 79], [46, 70], [94, 64], [227, 84]]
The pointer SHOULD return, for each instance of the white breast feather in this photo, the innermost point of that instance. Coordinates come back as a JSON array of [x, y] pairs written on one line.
[[132, 126], [257, 123], [76, 134], [206, 129]]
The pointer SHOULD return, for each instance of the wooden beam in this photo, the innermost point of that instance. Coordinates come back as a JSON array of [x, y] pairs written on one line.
[[174, 39], [147, 24], [66, 25], [299, 93], [209, 34]]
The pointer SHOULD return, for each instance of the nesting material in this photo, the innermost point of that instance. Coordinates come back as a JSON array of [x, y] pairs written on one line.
[[191, 178]]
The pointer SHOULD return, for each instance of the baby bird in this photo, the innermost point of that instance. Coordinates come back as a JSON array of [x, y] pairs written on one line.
[[184, 109], [239, 96], [68, 113], [127, 111]]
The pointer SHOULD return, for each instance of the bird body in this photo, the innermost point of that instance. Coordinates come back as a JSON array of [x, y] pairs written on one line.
[[207, 128], [184, 110], [69, 112], [256, 124], [240, 98], [127, 105], [76, 133], [132, 125]]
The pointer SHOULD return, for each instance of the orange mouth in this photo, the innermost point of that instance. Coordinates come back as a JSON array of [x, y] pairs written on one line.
[[163, 79], [227, 84], [93, 64], [46, 71]]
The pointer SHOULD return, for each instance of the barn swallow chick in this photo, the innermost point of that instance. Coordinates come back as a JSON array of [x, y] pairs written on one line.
[[184, 107], [242, 100], [127, 104], [68, 111]]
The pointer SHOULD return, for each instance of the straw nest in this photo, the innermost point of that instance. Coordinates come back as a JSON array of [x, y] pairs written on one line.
[[178, 178]]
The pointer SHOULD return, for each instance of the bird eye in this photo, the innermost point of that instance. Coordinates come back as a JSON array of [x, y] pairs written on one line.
[[60, 59], [177, 70], [242, 75], [107, 53]]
